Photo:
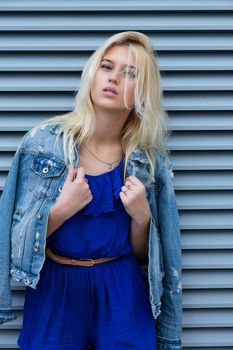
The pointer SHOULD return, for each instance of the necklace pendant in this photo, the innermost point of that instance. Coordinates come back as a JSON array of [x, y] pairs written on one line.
[[109, 166]]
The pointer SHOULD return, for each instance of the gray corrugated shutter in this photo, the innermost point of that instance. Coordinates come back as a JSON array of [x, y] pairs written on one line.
[[43, 48]]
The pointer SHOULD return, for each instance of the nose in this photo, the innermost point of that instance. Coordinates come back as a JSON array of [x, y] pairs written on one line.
[[114, 76], [112, 80]]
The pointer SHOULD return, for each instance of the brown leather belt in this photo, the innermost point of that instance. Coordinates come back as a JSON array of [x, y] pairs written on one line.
[[80, 262]]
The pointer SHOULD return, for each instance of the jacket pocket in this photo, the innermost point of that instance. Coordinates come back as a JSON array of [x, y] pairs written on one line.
[[44, 175]]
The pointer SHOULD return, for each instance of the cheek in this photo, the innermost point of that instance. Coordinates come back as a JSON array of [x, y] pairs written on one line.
[[93, 89], [131, 95], [95, 83]]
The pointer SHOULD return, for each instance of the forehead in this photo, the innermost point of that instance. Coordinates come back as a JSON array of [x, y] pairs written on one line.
[[118, 55]]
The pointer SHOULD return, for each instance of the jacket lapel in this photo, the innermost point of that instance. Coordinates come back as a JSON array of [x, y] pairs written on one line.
[[137, 162]]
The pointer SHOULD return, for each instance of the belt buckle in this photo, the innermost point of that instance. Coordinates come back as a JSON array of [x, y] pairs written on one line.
[[92, 261]]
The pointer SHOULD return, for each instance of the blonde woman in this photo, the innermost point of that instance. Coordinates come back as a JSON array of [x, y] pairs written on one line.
[[91, 224]]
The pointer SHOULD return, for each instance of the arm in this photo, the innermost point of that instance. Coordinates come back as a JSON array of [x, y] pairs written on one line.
[[55, 220], [169, 321], [139, 237]]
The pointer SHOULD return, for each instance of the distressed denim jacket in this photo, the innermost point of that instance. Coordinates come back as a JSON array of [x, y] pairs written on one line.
[[33, 184]]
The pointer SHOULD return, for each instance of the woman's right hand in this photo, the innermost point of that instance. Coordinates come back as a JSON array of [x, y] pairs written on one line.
[[75, 193]]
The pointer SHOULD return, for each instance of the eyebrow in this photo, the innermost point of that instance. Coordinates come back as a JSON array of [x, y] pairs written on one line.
[[106, 59]]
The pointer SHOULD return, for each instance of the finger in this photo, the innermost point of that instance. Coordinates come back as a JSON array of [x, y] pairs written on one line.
[[130, 184], [134, 180], [80, 174], [124, 197], [124, 189], [70, 175]]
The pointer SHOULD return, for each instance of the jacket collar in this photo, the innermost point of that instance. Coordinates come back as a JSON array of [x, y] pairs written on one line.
[[54, 129], [139, 155]]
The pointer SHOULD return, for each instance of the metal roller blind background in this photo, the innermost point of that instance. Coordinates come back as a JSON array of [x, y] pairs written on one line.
[[43, 47]]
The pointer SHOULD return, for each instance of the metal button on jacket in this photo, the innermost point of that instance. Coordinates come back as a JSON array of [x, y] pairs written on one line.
[[45, 170]]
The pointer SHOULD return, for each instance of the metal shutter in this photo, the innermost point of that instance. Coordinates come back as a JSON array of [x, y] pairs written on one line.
[[44, 45]]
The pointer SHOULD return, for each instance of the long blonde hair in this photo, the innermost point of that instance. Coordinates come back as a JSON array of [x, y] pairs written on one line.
[[146, 127]]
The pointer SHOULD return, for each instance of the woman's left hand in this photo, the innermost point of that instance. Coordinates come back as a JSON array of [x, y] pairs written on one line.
[[133, 197]]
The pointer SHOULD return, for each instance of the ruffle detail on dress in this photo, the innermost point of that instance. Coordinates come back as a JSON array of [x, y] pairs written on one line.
[[105, 189]]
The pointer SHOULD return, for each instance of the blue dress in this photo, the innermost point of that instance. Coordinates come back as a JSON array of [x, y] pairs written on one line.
[[107, 304]]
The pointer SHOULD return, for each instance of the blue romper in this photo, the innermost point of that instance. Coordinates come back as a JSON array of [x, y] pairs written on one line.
[[107, 304]]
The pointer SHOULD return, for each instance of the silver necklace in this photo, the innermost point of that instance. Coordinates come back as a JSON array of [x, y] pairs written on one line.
[[109, 164]]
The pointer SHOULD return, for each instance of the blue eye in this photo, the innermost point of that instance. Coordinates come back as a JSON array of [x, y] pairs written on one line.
[[105, 65], [130, 73]]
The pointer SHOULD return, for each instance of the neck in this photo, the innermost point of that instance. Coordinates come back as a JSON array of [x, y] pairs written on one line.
[[109, 124]]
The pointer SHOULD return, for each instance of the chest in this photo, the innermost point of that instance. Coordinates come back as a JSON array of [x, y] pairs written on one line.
[[93, 166]]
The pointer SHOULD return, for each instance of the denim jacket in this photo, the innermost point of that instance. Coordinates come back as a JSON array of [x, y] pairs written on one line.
[[33, 184]]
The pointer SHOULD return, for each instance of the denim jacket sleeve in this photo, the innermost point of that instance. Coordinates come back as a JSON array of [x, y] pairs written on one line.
[[7, 202], [169, 321]]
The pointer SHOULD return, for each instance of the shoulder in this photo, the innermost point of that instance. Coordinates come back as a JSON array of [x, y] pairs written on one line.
[[39, 135], [44, 139]]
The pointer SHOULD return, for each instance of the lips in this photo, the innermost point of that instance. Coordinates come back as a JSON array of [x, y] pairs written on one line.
[[109, 88]]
